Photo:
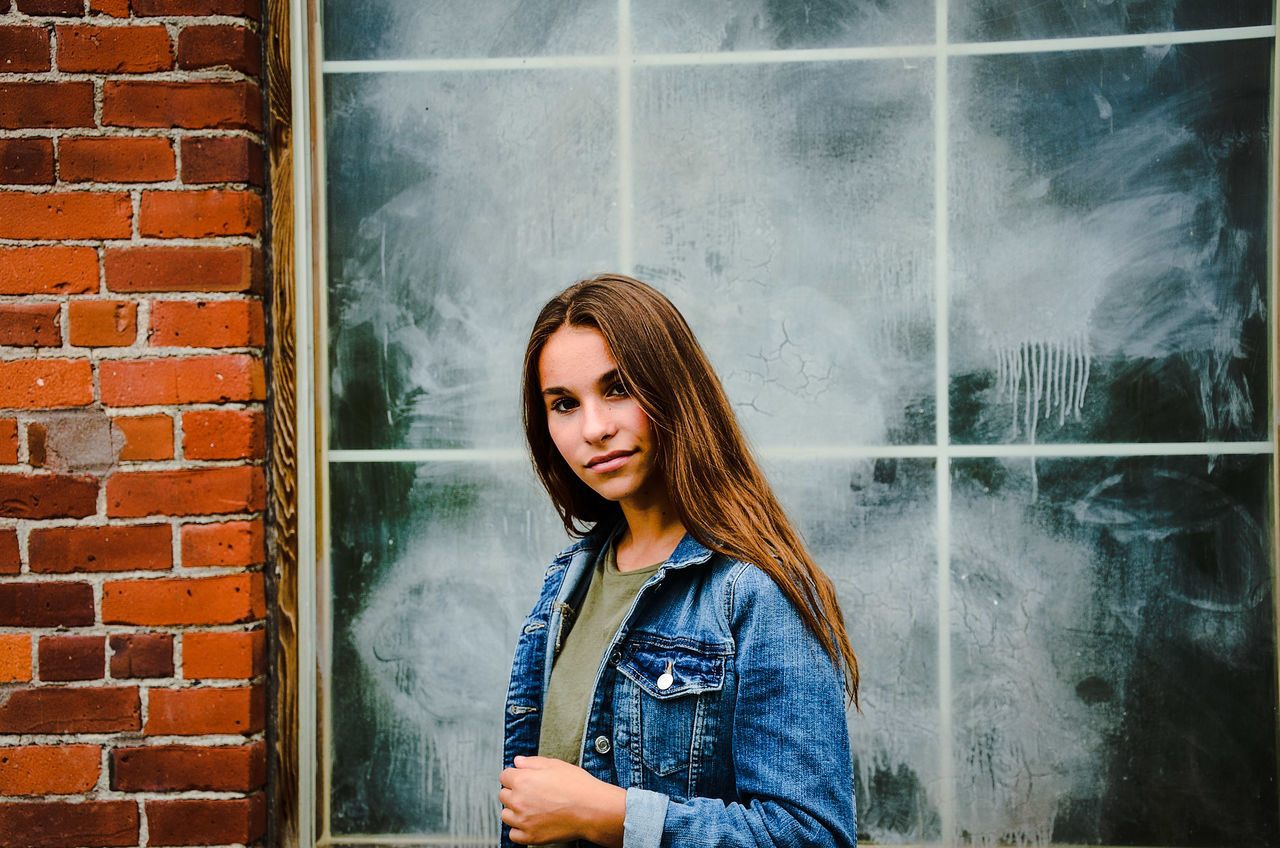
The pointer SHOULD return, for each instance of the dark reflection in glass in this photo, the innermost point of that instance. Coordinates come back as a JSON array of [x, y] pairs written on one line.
[[1010, 20], [708, 26], [443, 29], [433, 568], [788, 211], [871, 525], [454, 211], [1114, 651], [1109, 246]]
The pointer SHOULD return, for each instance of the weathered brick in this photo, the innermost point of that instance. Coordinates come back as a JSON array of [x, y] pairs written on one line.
[[48, 496], [117, 49], [176, 601], [114, 8], [233, 159], [133, 547], [57, 824], [46, 104], [46, 604], [190, 491], [65, 214], [8, 441], [57, 709], [206, 323], [199, 214], [45, 383], [64, 8], [30, 324], [15, 657], [145, 436], [194, 379], [194, 821], [64, 658], [26, 161], [224, 656], [188, 105], [235, 8], [37, 433], [49, 769], [230, 543], [223, 434], [48, 270], [179, 768], [200, 712], [233, 47], [102, 323], [24, 49], [142, 655], [230, 269], [10, 557], [116, 159]]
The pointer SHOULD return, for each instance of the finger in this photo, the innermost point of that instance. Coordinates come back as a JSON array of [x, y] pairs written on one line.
[[507, 776], [509, 817], [520, 836], [504, 796]]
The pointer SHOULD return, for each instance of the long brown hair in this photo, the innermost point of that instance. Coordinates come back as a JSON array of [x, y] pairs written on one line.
[[715, 486]]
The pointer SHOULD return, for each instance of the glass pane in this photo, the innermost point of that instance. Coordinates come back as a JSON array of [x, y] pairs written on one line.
[[1114, 670], [872, 525], [445, 29], [709, 26], [454, 210], [1109, 250], [788, 211], [433, 569], [1004, 20]]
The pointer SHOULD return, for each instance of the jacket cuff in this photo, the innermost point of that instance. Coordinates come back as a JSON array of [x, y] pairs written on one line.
[[645, 819]]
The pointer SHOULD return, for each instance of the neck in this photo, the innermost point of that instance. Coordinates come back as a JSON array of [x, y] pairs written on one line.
[[652, 533]]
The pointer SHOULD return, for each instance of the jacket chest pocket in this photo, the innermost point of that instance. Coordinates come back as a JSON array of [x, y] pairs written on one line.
[[675, 695]]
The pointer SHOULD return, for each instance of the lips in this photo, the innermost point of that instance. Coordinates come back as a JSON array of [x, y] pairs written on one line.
[[610, 461]]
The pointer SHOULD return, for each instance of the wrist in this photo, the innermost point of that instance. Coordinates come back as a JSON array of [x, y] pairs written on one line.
[[604, 816]]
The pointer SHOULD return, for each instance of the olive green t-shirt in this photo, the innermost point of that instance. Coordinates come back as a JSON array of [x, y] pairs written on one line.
[[573, 677]]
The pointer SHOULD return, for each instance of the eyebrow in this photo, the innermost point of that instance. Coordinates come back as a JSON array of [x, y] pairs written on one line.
[[608, 378]]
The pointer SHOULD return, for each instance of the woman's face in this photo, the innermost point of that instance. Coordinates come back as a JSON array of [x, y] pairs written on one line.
[[598, 427]]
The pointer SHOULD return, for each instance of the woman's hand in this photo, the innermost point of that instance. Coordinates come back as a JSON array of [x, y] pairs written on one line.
[[547, 800]]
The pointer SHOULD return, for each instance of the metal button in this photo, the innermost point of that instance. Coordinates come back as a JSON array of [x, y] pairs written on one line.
[[666, 678], [602, 745], [615, 658]]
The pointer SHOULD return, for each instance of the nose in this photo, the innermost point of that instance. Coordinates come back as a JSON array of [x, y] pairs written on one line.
[[597, 421]]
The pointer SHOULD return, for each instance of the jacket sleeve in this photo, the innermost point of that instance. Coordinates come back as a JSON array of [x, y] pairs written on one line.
[[790, 742]]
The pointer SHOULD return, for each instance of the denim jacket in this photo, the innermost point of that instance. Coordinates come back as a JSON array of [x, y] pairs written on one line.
[[714, 706]]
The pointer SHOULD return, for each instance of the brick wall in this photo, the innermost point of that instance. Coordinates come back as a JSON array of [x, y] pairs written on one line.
[[132, 642]]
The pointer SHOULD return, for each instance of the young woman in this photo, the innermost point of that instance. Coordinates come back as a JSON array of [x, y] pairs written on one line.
[[681, 678]]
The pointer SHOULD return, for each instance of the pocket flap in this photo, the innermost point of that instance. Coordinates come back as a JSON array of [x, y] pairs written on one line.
[[645, 661]]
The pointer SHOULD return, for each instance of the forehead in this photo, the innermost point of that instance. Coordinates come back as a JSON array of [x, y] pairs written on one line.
[[575, 357]]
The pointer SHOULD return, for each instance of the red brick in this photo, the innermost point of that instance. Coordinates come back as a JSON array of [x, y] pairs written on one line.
[[10, 558], [117, 49], [206, 323], [224, 656], [221, 269], [223, 434], [114, 8], [142, 655], [199, 214], [46, 383], [59, 709], [199, 712], [30, 324], [15, 657], [182, 768], [65, 215], [8, 441], [23, 49], [233, 47], [48, 496], [36, 436], [46, 104], [188, 105], [136, 547], [231, 543], [116, 159], [102, 323], [57, 824], [48, 270], [197, 821], [191, 491], [145, 436], [26, 161], [63, 658], [174, 601], [192, 379], [64, 8], [49, 769], [46, 604], [236, 8], [234, 159]]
